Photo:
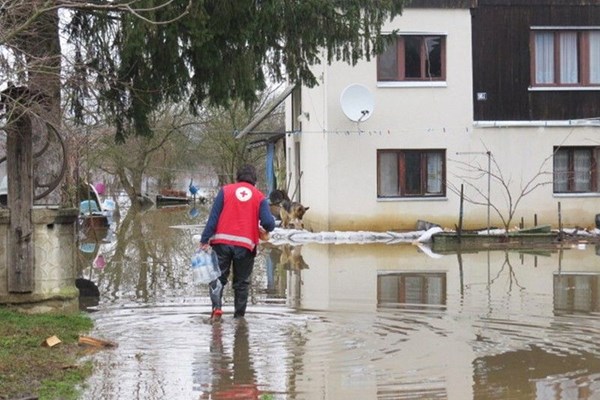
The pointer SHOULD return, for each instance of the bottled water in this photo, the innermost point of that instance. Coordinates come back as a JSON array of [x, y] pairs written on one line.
[[212, 261], [198, 268], [205, 266]]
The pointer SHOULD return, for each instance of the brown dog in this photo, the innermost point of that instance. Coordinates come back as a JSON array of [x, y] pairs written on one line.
[[291, 258], [275, 199], [292, 212]]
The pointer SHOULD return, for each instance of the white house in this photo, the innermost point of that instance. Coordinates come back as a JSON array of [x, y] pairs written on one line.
[[468, 94]]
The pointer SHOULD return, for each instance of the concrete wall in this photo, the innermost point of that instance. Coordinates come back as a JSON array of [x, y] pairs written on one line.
[[54, 262]]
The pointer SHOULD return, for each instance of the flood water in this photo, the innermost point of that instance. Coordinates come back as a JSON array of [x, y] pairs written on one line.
[[342, 321]]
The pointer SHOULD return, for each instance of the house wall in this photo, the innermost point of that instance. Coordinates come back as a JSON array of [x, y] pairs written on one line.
[[502, 65], [312, 143], [339, 156], [502, 70], [439, 3], [523, 155]]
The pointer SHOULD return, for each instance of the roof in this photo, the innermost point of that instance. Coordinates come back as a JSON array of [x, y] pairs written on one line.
[[264, 113]]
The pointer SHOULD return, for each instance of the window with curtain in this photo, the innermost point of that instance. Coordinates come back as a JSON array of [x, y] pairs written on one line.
[[568, 58], [413, 58], [565, 57], [544, 57], [411, 173], [575, 170], [594, 60]]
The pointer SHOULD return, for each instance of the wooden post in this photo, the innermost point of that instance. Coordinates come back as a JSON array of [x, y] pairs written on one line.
[[461, 274], [460, 215], [560, 231], [20, 203]]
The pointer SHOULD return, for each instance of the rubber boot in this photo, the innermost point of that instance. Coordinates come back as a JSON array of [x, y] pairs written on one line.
[[240, 301]]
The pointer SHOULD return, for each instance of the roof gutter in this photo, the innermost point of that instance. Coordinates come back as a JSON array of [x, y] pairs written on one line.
[[550, 123]]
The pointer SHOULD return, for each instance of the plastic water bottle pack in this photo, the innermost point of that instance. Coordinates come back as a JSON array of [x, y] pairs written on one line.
[[205, 266]]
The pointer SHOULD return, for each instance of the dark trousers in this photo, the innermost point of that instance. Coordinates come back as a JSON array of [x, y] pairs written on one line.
[[242, 262]]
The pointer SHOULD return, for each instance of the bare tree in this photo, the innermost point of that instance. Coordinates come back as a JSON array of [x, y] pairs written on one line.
[[508, 193], [161, 155], [222, 151]]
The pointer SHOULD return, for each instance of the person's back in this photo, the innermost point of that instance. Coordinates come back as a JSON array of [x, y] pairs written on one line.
[[232, 230], [239, 220]]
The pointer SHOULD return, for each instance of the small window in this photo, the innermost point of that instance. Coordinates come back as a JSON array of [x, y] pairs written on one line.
[[566, 57], [413, 58], [575, 170], [411, 173]]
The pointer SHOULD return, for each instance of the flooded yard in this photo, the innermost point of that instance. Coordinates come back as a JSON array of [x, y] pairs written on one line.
[[342, 321]]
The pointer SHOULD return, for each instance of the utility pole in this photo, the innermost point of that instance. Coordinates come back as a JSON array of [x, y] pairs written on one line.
[[489, 180]]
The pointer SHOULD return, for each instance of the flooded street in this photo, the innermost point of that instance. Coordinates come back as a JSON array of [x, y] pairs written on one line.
[[342, 321]]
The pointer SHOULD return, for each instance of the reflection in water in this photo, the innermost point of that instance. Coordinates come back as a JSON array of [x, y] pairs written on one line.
[[576, 292], [537, 374], [427, 288], [89, 294], [233, 374], [368, 321], [283, 265]]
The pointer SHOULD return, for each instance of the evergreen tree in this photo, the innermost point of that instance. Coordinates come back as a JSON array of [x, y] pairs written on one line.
[[127, 57]]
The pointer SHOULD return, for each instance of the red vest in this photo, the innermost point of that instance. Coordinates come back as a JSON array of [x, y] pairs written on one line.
[[238, 222]]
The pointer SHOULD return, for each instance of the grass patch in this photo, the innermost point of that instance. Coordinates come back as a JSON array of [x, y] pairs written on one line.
[[29, 369]]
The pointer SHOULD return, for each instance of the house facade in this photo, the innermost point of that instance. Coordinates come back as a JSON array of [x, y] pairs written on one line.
[[494, 102]]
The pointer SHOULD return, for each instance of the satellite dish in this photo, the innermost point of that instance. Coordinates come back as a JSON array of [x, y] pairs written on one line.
[[357, 102]]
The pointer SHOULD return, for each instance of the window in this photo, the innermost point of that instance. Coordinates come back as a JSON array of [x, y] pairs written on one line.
[[566, 57], [575, 170], [413, 58], [411, 173], [576, 292], [427, 288]]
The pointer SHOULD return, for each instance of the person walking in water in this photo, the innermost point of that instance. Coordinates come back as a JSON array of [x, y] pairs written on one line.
[[233, 232]]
